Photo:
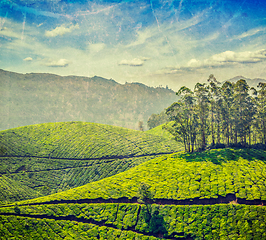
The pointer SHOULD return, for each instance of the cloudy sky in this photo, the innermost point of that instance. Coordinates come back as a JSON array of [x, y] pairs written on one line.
[[156, 42]]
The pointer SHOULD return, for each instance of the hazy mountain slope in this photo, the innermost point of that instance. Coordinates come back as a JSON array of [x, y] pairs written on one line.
[[39, 98], [53, 157]]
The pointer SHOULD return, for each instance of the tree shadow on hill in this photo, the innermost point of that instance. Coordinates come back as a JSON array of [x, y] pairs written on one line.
[[217, 156], [155, 222]]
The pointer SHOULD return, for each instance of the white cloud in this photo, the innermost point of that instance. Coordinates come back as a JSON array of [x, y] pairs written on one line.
[[27, 59], [240, 57], [224, 59], [59, 63], [250, 33], [61, 30], [96, 47], [229, 57], [194, 63], [7, 32], [142, 37], [136, 62]]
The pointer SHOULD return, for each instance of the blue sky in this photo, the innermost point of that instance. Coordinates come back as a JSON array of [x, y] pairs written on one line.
[[159, 42]]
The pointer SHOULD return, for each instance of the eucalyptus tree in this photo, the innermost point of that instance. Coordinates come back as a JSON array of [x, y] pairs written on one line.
[[261, 111], [215, 107], [229, 111], [185, 118], [241, 114], [202, 103], [227, 92]]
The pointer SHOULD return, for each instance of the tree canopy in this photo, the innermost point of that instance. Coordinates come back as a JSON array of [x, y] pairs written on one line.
[[218, 114]]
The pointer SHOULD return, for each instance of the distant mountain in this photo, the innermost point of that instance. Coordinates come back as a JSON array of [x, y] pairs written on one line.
[[251, 82], [40, 97]]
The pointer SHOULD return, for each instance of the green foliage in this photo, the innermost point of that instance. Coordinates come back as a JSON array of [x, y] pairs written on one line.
[[162, 131], [144, 193], [53, 157], [219, 116], [200, 222], [180, 176], [80, 140], [157, 119], [12, 190], [17, 210], [14, 227]]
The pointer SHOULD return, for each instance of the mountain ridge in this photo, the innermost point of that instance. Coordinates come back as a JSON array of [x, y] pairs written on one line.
[[35, 98], [252, 82]]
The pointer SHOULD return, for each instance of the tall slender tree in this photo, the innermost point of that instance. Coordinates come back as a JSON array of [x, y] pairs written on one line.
[[201, 93], [261, 113]]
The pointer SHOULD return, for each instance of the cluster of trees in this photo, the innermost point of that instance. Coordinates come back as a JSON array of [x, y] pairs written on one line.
[[215, 114], [157, 119]]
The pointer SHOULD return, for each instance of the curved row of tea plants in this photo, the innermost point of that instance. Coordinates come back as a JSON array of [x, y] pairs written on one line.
[[179, 177], [220, 221], [11, 191], [54, 157], [48, 176], [80, 140], [15, 227]]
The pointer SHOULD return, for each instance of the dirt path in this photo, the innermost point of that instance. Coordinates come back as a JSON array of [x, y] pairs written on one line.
[[230, 198], [96, 158]]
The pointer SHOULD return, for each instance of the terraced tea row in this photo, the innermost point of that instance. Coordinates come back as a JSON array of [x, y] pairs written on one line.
[[11, 190], [15, 227], [174, 222], [48, 176], [174, 177]]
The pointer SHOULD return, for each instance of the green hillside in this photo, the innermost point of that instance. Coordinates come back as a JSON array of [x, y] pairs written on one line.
[[80, 140], [54, 157], [217, 194], [160, 131], [40, 98], [181, 176]]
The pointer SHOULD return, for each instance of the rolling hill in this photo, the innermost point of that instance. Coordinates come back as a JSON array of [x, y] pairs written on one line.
[[160, 131], [53, 157], [34, 98], [217, 194]]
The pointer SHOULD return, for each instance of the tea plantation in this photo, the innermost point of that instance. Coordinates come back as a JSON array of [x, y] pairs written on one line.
[[215, 194], [179, 177], [52, 157], [183, 186]]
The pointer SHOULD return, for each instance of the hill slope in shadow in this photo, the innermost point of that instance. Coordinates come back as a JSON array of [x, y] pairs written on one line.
[[40, 97]]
